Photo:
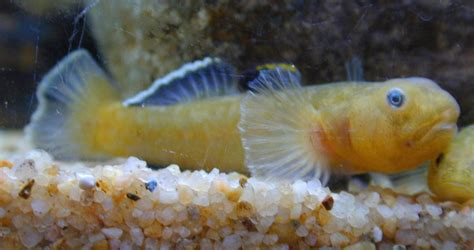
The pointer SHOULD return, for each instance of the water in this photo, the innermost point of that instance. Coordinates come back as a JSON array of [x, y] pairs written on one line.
[[429, 38], [138, 42]]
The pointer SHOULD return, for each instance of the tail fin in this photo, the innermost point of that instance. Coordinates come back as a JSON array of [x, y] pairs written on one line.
[[68, 99]]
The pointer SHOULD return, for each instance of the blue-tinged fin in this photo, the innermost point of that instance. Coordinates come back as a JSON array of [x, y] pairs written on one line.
[[354, 69], [276, 125], [202, 79], [276, 76], [68, 98]]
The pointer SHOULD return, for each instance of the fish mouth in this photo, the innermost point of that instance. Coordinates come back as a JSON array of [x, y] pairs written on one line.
[[445, 123], [434, 131], [464, 189], [439, 124]]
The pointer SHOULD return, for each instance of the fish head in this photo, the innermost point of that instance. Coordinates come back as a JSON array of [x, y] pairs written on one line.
[[401, 123], [449, 180], [450, 175]]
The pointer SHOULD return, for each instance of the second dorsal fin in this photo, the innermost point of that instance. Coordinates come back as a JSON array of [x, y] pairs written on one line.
[[354, 69], [193, 81]]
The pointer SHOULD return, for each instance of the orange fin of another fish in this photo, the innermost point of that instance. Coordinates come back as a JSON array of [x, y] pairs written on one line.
[[68, 99], [277, 121], [202, 79]]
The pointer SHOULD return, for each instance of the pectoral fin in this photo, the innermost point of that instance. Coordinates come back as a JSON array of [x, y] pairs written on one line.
[[407, 182], [277, 124]]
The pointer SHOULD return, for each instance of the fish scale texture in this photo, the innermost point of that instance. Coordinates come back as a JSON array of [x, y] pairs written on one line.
[[125, 204]]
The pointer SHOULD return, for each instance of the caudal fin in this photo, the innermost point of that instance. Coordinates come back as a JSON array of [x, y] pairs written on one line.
[[68, 99]]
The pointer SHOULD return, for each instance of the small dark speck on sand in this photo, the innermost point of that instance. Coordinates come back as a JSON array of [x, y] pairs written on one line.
[[328, 202], [133, 197], [25, 191], [248, 224], [243, 182]]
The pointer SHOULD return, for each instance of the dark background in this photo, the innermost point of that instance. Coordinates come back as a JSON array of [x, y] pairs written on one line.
[[30, 45]]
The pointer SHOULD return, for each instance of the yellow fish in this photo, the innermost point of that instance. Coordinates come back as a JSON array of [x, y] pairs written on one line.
[[451, 176], [196, 117]]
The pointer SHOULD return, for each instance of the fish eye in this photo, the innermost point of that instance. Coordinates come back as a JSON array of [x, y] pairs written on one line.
[[395, 97]]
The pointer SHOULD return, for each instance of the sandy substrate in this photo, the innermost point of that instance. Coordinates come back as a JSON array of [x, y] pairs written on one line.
[[129, 206]]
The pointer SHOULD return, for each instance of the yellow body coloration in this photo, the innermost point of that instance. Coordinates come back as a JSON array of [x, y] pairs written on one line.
[[451, 176], [367, 134], [359, 131], [198, 135], [289, 131]]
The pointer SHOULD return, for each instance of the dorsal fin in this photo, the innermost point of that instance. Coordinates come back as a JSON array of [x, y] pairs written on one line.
[[277, 123], [354, 69], [284, 76], [249, 76], [193, 81]]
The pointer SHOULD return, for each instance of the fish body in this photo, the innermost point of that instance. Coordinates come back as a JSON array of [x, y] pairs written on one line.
[[197, 118], [451, 175], [197, 135]]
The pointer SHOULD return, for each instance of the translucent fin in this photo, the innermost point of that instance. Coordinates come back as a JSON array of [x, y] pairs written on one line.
[[74, 88], [277, 126], [248, 76], [193, 81], [407, 182], [354, 69], [382, 180], [289, 79], [412, 181]]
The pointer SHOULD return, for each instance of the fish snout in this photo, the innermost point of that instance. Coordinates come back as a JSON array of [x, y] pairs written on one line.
[[447, 120], [448, 110], [452, 104]]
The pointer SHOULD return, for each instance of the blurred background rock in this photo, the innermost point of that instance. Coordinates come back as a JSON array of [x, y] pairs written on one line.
[[142, 40]]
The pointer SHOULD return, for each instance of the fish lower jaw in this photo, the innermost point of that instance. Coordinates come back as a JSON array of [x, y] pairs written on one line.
[[434, 132], [454, 190], [451, 125]]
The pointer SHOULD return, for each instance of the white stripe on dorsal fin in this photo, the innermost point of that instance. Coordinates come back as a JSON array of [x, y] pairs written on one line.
[[278, 127], [193, 81]]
